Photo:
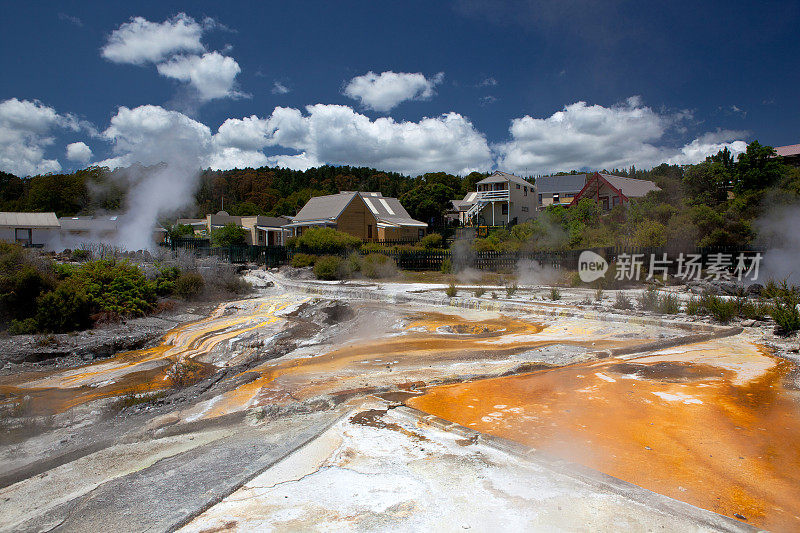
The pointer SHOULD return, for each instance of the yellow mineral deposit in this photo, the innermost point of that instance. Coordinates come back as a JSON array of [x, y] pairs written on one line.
[[709, 424]]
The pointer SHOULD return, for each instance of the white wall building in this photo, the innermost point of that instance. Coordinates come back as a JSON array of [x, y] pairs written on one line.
[[29, 229], [500, 199]]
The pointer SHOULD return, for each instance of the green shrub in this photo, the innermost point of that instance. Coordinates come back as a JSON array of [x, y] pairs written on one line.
[[375, 266], [648, 301], [354, 262], [326, 241], [447, 266], [327, 267], [80, 254], [431, 241], [598, 295], [694, 307], [116, 287], [511, 289], [623, 301], [303, 260], [480, 291], [722, 309], [229, 235], [785, 314], [67, 308], [555, 294], [668, 304], [189, 285], [752, 310], [451, 290], [165, 280], [23, 327]]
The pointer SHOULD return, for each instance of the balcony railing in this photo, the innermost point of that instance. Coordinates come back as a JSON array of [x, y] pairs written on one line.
[[493, 196]]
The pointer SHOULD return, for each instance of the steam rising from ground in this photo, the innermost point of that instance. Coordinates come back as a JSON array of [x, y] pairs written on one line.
[[779, 230], [176, 144], [534, 273]]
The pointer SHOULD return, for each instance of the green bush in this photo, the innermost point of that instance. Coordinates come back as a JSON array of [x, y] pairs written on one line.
[[623, 301], [722, 309], [303, 260], [23, 327], [22, 280], [555, 294], [431, 241], [668, 304], [447, 266], [354, 262], [376, 266], [189, 285], [229, 235], [165, 280], [327, 267], [326, 241], [694, 307], [511, 289], [786, 316], [451, 290], [480, 291], [67, 308], [648, 301], [116, 287], [80, 254]]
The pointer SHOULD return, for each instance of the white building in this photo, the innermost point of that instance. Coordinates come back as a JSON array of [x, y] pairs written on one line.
[[500, 199], [29, 229]]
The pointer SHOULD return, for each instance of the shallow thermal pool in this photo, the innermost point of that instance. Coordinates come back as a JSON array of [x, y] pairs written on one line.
[[709, 424]]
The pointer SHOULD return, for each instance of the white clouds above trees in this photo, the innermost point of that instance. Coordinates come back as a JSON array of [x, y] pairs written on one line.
[[26, 129], [382, 92], [79, 152], [583, 136]]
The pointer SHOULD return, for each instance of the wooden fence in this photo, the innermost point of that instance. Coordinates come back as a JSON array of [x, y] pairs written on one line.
[[273, 256]]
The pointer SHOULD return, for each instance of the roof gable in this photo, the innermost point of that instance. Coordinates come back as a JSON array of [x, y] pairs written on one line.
[[499, 176], [325, 207]]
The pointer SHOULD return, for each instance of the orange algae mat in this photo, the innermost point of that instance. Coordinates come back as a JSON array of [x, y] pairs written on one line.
[[719, 433]]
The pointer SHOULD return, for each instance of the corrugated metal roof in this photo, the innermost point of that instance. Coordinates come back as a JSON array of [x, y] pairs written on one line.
[[29, 220], [631, 187], [100, 224], [329, 207], [787, 151], [568, 183], [500, 176], [324, 207]]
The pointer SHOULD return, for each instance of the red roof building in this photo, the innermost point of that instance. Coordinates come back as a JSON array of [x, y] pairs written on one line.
[[610, 191]]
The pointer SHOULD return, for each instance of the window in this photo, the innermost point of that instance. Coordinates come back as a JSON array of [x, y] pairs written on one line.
[[369, 231], [555, 199], [540, 198], [517, 185], [421, 233], [615, 201], [504, 209], [23, 235], [524, 209], [526, 191]]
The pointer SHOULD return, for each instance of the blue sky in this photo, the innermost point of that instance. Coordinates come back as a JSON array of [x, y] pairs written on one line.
[[526, 86]]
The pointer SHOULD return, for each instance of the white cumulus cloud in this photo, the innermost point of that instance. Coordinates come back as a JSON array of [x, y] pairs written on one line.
[[26, 129], [140, 41], [709, 144], [382, 92], [280, 88], [79, 152], [583, 136], [212, 75]]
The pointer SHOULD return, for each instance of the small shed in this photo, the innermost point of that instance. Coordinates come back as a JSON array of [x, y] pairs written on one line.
[[29, 229]]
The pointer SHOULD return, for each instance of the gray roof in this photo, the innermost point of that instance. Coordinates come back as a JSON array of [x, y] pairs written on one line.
[[788, 151], [390, 211], [29, 220], [265, 221], [191, 221], [328, 208], [631, 187], [499, 177], [108, 223], [568, 183], [324, 207]]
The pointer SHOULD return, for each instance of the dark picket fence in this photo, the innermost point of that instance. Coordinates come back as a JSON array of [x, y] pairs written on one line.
[[273, 256]]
